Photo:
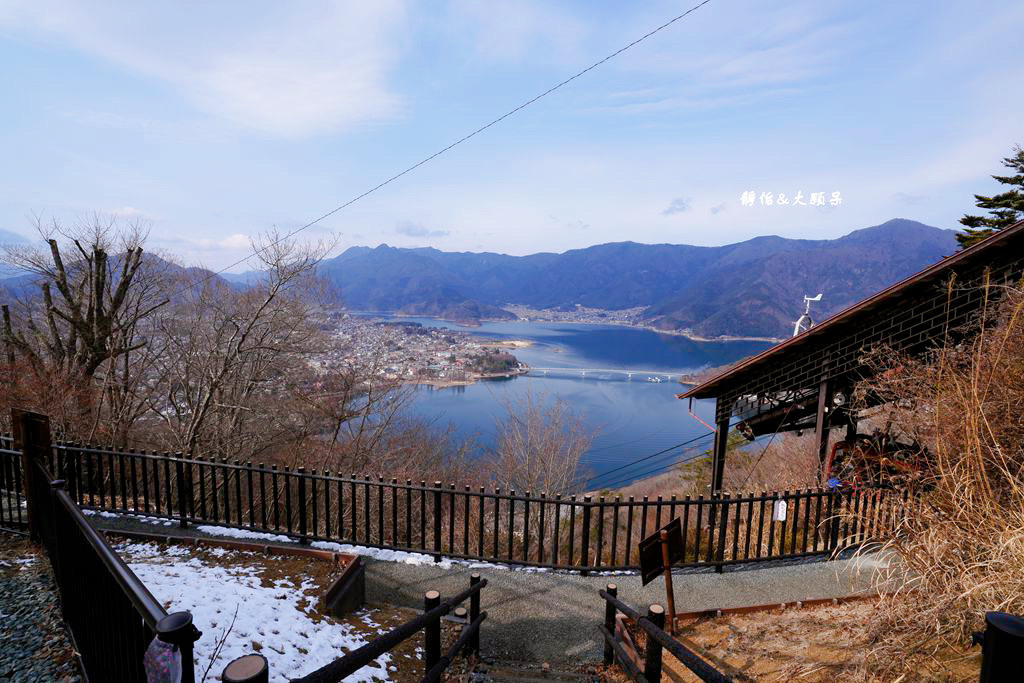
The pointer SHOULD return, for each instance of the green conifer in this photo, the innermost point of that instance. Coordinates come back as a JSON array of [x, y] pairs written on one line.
[[1005, 209]]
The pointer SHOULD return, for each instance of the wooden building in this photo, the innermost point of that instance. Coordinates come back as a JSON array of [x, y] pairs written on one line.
[[804, 382]]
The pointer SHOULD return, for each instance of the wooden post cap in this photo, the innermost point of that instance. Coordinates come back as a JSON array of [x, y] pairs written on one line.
[[432, 595], [611, 587], [655, 608], [247, 669]]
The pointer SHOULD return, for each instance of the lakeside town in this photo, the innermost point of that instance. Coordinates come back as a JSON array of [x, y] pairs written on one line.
[[411, 353]]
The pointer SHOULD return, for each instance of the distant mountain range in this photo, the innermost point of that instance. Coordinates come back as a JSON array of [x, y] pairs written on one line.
[[752, 288]]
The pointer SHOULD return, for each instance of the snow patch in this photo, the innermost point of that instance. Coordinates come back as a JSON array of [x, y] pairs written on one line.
[[245, 534], [276, 618]]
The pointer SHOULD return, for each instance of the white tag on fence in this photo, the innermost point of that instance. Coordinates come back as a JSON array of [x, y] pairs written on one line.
[[779, 511]]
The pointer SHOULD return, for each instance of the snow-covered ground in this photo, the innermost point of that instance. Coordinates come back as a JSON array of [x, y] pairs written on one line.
[[277, 621], [402, 556]]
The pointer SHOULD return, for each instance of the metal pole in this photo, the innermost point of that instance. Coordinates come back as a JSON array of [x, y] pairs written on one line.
[[437, 525], [585, 536], [303, 538], [179, 470], [177, 629], [668, 583]]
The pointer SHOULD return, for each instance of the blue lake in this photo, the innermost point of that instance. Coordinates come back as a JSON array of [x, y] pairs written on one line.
[[632, 418]]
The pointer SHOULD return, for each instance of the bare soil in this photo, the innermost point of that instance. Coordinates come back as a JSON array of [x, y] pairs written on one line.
[[811, 644]]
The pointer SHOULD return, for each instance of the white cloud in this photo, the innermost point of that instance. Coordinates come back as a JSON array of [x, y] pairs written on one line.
[[525, 29], [285, 69], [678, 205]]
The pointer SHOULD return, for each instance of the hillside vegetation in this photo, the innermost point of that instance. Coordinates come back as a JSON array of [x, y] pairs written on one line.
[[751, 288]]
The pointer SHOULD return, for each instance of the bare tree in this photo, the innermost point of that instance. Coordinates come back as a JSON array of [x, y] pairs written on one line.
[[229, 358], [74, 336], [99, 299], [540, 446]]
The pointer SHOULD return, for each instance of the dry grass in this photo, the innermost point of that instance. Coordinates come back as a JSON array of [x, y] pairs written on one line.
[[961, 548], [813, 644]]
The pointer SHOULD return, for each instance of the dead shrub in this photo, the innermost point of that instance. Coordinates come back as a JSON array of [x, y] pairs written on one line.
[[960, 548]]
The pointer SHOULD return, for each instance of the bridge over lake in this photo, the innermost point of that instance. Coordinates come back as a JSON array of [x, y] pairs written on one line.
[[629, 374]]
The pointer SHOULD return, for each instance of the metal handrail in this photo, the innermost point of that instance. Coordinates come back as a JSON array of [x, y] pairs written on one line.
[[148, 606]]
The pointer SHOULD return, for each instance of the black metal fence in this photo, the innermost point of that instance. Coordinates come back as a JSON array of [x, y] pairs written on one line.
[[111, 615], [13, 515], [560, 531]]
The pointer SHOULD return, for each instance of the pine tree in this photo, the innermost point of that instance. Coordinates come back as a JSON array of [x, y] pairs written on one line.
[[1005, 209]]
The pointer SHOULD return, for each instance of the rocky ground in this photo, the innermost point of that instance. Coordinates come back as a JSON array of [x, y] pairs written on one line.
[[34, 645]]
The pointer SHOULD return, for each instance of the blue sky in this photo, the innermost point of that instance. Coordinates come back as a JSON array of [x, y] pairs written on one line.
[[215, 121]]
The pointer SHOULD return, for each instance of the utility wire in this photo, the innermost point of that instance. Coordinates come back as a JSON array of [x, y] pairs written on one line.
[[657, 470], [765, 449], [456, 143], [645, 458]]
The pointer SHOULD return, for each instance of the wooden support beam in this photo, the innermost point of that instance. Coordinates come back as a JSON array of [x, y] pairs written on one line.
[[821, 422], [718, 456]]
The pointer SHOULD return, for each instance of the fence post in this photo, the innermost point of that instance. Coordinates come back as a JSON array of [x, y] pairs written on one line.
[[32, 437], [303, 538], [585, 539], [177, 629], [652, 662], [53, 549], [437, 524], [835, 501], [179, 472], [247, 669], [609, 623], [431, 632], [722, 533], [474, 612]]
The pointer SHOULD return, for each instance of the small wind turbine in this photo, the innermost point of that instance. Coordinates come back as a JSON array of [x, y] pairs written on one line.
[[804, 322]]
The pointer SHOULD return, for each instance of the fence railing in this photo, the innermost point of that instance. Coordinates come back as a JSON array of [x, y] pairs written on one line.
[[13, 516], [110, 614], [652, 624], [435, 663], [579, 532]]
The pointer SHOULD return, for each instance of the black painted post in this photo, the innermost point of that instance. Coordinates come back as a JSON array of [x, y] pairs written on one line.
[[718, 455], [474, 612], [431, 632], [437, 526], [723, 530], [609, 623], [303, 538], [177, 629], [179, 472], [585, 540], [32, 437], [652, 662]]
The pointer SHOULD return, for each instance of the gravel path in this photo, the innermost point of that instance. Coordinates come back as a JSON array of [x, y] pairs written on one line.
[[546, 616], [552, 617], [34, 645]]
